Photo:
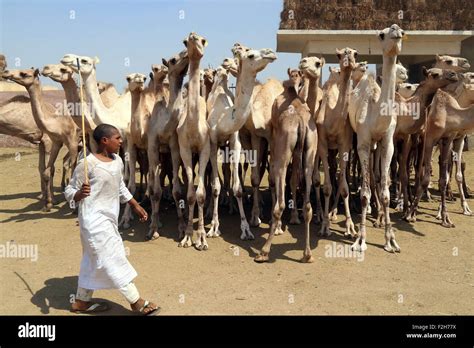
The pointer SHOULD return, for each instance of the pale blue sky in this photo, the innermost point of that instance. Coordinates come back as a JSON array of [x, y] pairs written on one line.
[[141, 32]]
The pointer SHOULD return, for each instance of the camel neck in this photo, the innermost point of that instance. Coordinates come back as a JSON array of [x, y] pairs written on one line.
[[193, 90], [207, 89], [387, 92], [176, 83], [70, 90], [36, 99], [244, 89], [343, 97], [99, 110], [312, 94]]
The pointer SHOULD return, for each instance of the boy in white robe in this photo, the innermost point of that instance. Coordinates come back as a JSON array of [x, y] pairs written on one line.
[[104, 264]]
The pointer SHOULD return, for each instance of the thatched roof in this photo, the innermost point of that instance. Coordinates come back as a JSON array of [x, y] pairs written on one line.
[[377, 14]]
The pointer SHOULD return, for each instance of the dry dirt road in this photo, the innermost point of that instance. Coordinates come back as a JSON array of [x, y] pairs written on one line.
[[432, 274]]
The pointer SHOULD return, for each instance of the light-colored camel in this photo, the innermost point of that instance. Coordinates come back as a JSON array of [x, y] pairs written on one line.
[[375, 124], [162, 136], [193, 137], [225, 119], [143, 101], [51, 121], [256, 132], [108, 93], [289, 123], [16, 119], [446, 121], [412, 116], [335, 132], [457, 64], [119, 114]]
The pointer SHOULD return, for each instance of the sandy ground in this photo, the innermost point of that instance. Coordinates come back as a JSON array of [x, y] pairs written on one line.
[[432, 274]]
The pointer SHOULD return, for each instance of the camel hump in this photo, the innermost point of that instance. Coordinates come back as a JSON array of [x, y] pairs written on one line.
[[20, 98]]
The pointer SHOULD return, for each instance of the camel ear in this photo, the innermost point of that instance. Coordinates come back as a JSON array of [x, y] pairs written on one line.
[[129, 78], [379, 79], [300, 73], [151, 76], [323, 61], [289, 72], [438, 58], [185, 42], [165, 62], [96, 60], [425, 71], [144, 79], [37, 72], [331, 69]]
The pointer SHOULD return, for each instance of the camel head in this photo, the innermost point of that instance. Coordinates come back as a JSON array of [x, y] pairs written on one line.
[[360, 70], [253, 61], [458, 64], [334, 74], [311, 66], [195, 45], [347, 58], [391, 40], [221, 75], [401, 73], [406, 90], [87, 64], [231, 65], [136, 82], [468, 77], [57, 72], [158, 72], [103, 86], [438, 78], [208, 75], [178, 64], [26, 77], [295, 78]]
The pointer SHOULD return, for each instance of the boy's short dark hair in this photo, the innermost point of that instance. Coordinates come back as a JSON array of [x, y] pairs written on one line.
[[104, 130]]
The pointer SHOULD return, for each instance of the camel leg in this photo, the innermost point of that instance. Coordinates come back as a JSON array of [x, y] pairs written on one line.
[[187, 159], [458, 146], [66, 165], [294, 220], [386, 150], [201, 242], [376, 175], [318, 217], [177, 195], [363, 149], [48, 175], [446, 149], [343, 191], [216, 189], [279, 169], [424, 178], [236, 146], [403, 173], [41, 168], [255, 178], [153, 188], [327, 189], [131, 163]]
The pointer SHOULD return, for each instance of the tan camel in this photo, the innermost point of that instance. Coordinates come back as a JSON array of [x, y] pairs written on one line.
[[457, 64], [225, 119], [49, 120], [193, 137], [119, 114], [289, 126], [143, 100], [108, 93], [374, 125], [16, 119], [446, 121], [162, 136], [412, 116], [335, 132]]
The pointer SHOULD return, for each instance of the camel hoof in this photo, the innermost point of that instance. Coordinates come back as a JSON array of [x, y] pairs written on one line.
[[154, 235], [126, 225], [255, 221], [261, 258], [295, 221], [388, 248], [307, 259], [447, 224]]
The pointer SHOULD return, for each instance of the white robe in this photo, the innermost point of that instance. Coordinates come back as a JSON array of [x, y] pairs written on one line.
[[104, 264]]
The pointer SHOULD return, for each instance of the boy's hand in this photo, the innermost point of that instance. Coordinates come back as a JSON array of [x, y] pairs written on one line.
[[84, 192], [142, 214]]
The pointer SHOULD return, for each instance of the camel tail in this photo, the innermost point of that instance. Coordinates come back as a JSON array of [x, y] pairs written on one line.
[[299, 147]]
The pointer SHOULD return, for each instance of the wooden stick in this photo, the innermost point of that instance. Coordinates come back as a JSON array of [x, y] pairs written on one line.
[[83, 124]]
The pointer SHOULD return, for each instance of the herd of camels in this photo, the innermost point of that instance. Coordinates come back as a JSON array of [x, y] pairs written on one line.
[[168, 125]]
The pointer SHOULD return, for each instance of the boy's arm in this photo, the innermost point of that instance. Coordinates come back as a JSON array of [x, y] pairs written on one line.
[[76, 182]]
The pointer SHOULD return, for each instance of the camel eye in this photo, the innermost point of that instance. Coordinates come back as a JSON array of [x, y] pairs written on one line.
[[251, 56], [63, 71], [435, 75], [382, 36], [355, 55], [318, 64], [173, 61], [449, 62]]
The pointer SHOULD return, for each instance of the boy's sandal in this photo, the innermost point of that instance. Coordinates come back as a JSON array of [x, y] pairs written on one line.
[[93, 308], [153, 312]]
